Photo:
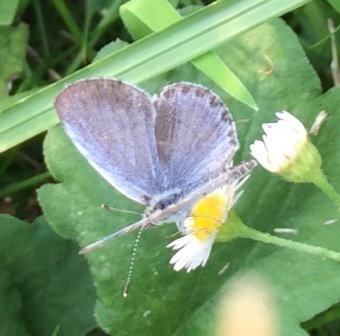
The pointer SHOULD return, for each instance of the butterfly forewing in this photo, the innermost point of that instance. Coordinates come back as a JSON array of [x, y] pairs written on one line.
[[112, 124]]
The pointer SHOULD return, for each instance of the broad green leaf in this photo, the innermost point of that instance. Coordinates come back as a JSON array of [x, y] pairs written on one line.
[[271, 63], [11, 303], [194, 35], [45, 284], [142, 17], [7, 11], [12, 55]]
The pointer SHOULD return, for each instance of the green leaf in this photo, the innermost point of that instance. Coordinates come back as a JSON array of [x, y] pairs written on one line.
[[194, 35], [335, 4], [110, 48], [8, 9], [12, 55], [144, 17], [169, 303], [44, 282]]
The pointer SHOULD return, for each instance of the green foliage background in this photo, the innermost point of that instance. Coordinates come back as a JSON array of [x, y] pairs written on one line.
[[47, 288]]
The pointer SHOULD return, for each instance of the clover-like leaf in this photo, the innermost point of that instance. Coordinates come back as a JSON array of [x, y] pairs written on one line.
[[45, 284]]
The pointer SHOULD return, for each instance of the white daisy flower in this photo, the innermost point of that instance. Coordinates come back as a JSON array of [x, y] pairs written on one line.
[[281, 143], [286, 149], [201, 228]]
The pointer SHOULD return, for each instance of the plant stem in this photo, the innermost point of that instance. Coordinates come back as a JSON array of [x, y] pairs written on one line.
[[247, 232], [24, 184], [320, 180]]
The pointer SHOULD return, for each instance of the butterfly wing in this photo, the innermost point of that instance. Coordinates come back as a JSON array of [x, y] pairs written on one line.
[[113, 126], [195, 134]]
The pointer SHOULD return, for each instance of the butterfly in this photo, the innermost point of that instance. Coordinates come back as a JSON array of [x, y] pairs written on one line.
[[165, 151]]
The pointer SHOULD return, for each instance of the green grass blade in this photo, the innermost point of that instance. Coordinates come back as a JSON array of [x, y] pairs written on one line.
[[69, 21], [335, 4], [142, 17], [159, 52]]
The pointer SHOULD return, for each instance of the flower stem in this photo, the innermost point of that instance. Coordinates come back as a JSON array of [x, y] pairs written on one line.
[[247, 232], [320, 180]]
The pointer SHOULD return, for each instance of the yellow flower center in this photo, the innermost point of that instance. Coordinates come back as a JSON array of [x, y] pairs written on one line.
[[208, 215]]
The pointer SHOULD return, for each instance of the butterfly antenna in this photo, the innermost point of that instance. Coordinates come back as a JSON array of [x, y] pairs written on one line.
[[135, 226], [107, 207], [132, 264]]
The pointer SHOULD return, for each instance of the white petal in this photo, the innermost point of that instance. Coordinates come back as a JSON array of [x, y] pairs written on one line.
[[180, 242], [259, 151], [281, 144], [192, 252]]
